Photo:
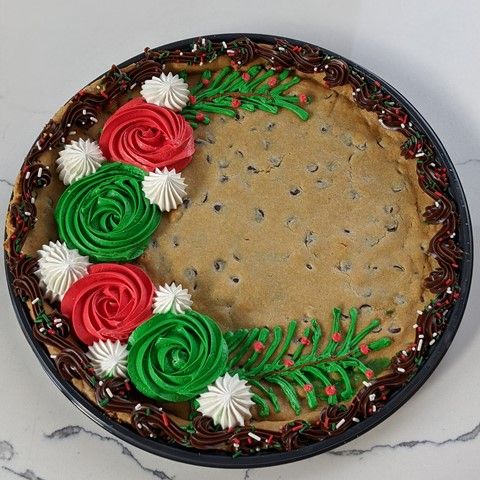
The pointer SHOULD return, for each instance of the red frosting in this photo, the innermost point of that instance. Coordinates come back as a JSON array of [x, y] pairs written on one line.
[[148, 136], [109, 302]]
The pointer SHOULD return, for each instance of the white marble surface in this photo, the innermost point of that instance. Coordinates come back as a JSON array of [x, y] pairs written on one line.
[[428, 50]]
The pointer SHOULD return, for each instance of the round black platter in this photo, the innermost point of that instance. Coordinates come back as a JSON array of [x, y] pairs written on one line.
[[191, 456]]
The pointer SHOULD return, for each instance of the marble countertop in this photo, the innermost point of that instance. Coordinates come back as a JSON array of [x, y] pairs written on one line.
[[425, 49]]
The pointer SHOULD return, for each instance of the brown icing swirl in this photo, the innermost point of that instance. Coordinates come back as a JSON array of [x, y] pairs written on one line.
[[117, 395]]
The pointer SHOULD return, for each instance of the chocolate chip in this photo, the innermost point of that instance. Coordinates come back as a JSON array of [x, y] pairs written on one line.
[[270, 125], [210, 138], [259, 215], [205, 197], [175, 241], [265, 144], [253, 169], [208, 158], [399, 268], [309, 266], [275, 161], [377, 330], [394, 329], [321, 184], [400, 299], [354, 194], [392, 226], [344, 266], [295, 191], [290, 221], [219, 265], [236, 257], [309, 238], [186, 202], [312, 167], [223, 179], [397, 187], [217, 207], [239, 153], [223, 163], [190, 273], [235, 279]]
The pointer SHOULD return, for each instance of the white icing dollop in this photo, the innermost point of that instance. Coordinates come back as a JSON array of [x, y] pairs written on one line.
[[169, 91], [172, 297], [59, 267], [165, 188], [227, 401], [78, 159], [108, 359]]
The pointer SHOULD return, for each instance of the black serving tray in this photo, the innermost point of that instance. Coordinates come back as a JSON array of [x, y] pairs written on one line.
[[264, 459]]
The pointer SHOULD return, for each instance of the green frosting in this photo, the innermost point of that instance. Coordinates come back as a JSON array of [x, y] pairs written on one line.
[[106, 215], [174, 357]]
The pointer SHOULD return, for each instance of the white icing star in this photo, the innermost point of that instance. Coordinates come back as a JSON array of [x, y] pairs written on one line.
[[169, 91], [78, 159], [165, 188], [172, 297], [227, 401], [59, 267], [109, 359]]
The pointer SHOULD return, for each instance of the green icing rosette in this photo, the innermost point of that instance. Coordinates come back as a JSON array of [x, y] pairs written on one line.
[[106, 215], [174, 357]]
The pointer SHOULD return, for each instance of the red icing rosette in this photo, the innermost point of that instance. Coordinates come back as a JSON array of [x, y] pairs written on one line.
[[148, 136], [109, 302]]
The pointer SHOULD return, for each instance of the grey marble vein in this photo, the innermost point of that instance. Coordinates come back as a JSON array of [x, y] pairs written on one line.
[[74, 430], [464, 437], [466, 162], [27, 474], [8, 182], [6, 451]]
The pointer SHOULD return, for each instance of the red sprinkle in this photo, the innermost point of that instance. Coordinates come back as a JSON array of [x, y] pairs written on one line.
[[272, 81], [258, 346], [377, 84], [269, 439], [308, 387], [206, 81], [199, 117], [246, 76], [364, 348], [303, 98], [337, 337], [369, 374], [165, 419], [236, 102], [192, 99], [296, 428], [304, 341], [330, 390], [288, 362]]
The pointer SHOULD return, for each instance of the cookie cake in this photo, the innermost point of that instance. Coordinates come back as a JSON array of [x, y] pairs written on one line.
[[239, 247]]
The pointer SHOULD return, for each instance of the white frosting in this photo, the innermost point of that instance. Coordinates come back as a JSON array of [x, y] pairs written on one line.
[[59, 267], [165, 188], [227, 401], [172, 297], [169, 91], [78, 159], [109, 359]]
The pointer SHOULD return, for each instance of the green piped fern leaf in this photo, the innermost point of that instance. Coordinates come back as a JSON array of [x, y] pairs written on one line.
[[253, 89], [331, 371]]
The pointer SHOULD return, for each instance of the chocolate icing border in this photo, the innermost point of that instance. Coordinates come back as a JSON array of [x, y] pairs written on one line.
[[117, 395]]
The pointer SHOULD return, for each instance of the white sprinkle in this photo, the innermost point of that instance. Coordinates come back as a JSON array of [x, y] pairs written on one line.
[[57, 320], [230, 51], [415, 326], [340, 423], [139, 426], [224, 45], [50, 148], [254, 436], [63, 139], [419, 312], [58, 325], [432, 341], [133, 85], [353, 93], [152, 435], [239, 62], [414, 349], [203, 41], [421, 335], [326, 66], [53, 357], [100, 382], [401, 370], [432, 165], [27, 175], [374, 408], [402, 125], [109, 392], [434, 334], [164, 66], [194, 49], [84, 112], [281, 49], [35, 300], [38, 145], [449, 290], [181, 54], [315, 69], [357, 90], [273, 59], [420, 154], [410, 124], [420, 344], [27, 214], [138, 406], [383, 111], [42, 329], [430, 307], [73, 132], [69, 125], [367, 384], [40, 171], [93, 119], [201, 63], [405, 353], [257, 449], [371, 397], [452, 235], [32, 200], [355, 419]]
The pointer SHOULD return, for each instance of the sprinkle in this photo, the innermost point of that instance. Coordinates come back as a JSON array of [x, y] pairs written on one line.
[[449, 290], [236, 102], [402, 125], [421, 335], [73, 132], [374, 408], [434, 334], [308, 387], [258, 346], [27, 214], [100, 382], [355, 419], [357, 89], [452, 235], [203, 41], [369, 373], [339, 424], [304, 341], [194, 49], [138, 406], [337, 337], [38, 145], [367, 384], [288, 362], [315, 69], [405, 354], [109, 392], [40, 171], [181, 54], [420, 344], [53, 357], [371, 397], [32, 200], [330, 390], [303, 98], [401, 370], [437, 204], [63, 139], [35, 301], [224, 45], [364, 348], [415, 325], [254, 436], [419, 312], [27, 175], [69, 125], [230, 51], [432, 341], [84, 112], [93, 119]]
